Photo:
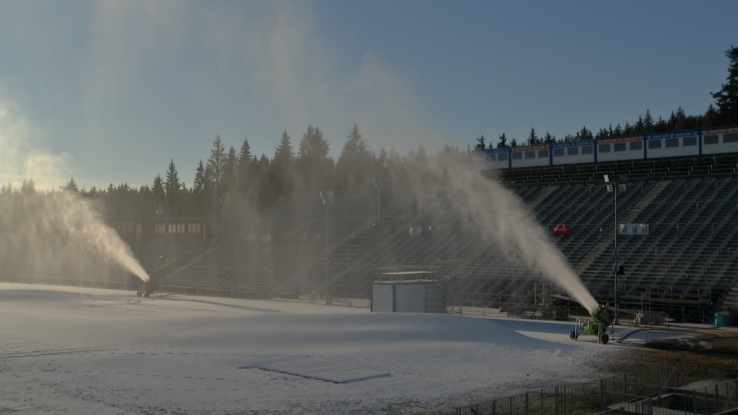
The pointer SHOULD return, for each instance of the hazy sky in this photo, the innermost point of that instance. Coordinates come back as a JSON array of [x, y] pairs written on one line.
[[111, 91]]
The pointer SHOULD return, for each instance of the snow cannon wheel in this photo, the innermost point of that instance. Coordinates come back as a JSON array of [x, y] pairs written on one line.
[[146, 295], [604, 339], [139, 293], [572, 335]]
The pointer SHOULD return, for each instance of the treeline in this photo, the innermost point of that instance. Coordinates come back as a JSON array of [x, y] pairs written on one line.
[[240, 186], [723, 112]]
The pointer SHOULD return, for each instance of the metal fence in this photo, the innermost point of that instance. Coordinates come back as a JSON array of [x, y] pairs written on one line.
[[558, 400], [714, 399], [614, 397], [585, 398]]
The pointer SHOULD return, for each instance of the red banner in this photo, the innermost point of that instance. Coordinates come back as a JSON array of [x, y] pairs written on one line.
[[562, 229]]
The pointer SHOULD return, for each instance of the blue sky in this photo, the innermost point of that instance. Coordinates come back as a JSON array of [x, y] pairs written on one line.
[[111, 91]]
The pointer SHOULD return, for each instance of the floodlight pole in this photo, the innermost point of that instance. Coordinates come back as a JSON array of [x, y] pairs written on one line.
[[327, 200], [616, 252], [223, 197], [379, 205], [327, 301], [615, 186], [379, 209], [159, 215]]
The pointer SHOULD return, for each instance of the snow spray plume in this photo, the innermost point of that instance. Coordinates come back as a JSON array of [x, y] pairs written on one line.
[[498, 216], [58, 231]]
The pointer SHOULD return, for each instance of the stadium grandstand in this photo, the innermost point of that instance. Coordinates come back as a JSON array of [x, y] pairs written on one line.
[[332, 247], [313, 246]]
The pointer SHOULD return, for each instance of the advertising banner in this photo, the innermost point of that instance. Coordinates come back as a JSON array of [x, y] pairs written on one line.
[[633, 229]]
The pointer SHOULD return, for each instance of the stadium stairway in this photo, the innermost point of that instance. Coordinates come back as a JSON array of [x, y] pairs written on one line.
[[585, 265]]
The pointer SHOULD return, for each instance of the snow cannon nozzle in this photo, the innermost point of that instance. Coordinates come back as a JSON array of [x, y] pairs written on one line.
[[603, 315]]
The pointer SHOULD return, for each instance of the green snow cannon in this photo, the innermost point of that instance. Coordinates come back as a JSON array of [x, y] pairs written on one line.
[[601, 320]]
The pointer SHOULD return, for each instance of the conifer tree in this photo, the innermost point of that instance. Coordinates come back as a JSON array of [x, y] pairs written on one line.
[[422, 154], [282, 168], [198, 185], [71, 186], [215, 162], [244, 165], [27, 187], [157, 189], [314, 166], [230, 172], [171, 188], [480, 145], [532, 137], [712, 117], [648, 123], [503, 141], [354, 166], [727, 98]]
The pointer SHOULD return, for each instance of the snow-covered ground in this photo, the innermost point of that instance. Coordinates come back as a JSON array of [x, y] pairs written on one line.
[[77, 350]]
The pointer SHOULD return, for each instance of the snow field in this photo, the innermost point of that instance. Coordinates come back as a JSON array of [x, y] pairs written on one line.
[[76, 350]]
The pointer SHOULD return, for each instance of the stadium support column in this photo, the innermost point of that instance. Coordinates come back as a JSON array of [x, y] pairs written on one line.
[[327, 198]]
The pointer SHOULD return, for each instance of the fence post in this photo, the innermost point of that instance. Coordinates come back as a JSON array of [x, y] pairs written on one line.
[[602, 394], [540, 400], [684, 399], [565, 408], [694, 401], [526, 404], [494, 407], [704, 398]]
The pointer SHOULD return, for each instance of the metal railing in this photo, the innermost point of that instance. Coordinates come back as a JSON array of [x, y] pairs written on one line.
[[713, 399], [584, 398]]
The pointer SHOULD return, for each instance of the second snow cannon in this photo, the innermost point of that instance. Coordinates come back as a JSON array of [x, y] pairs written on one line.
[[597, 326]]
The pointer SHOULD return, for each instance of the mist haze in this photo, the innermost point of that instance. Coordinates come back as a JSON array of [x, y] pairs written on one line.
[[497, 217], [58, 234]]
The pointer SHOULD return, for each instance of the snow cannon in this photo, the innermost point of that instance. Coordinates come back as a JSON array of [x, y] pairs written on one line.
[[146, 288], [603, 316], [601, 319], [151, 284]]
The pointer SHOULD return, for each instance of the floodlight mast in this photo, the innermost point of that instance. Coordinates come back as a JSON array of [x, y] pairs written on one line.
[[615, 190], [327, 199], [616, 268]]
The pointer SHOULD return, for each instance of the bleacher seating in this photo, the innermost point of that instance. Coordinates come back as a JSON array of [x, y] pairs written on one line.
[[688, 261], [286, 245]]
